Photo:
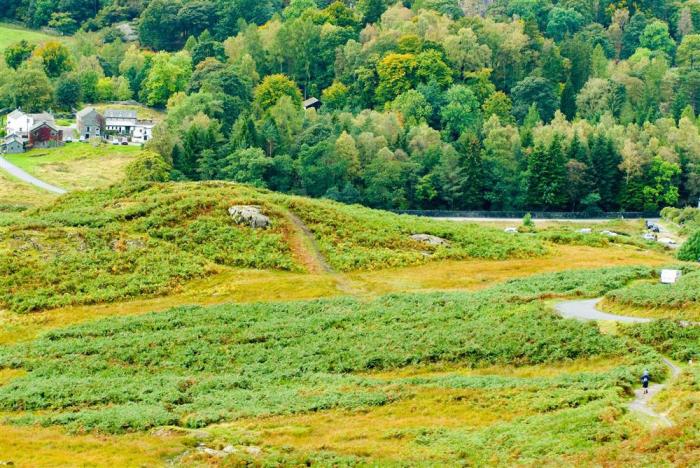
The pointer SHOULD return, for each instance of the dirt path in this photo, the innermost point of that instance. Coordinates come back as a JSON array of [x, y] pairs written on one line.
[[310, 254], [307, 248], [15, 171], [586, 310], [640, 404]]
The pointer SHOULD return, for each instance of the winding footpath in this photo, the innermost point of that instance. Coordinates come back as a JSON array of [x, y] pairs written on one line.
[[587, 310], [18, 173]]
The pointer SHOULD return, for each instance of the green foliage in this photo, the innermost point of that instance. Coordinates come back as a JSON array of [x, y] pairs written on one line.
[[131, 241], [538, 92], [196, 366], [274, 87], [352, 237], [684, 293], [17, 53], [55, 58], [690, 250], [679, 341], [148, 167], [169, 74]]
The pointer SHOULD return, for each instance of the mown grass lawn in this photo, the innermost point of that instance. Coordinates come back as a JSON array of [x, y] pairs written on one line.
[[9, 34], [77, 166]]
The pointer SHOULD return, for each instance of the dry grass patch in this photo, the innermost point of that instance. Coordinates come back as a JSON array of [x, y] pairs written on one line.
[[77, 166], [50, 447], [16, 193], [542, 370], [475, 274], [689, 312], [244, 286]]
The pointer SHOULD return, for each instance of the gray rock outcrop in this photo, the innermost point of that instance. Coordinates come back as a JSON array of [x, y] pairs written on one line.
[[250, 215], [429, 239]]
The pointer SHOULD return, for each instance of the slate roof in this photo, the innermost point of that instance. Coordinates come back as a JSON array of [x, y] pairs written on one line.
[[85, 112], [120, 114], [43, 122], [13, 137], [42, 117], [15, 113]]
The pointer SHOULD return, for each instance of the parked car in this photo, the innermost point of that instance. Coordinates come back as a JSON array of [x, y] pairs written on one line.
[[649, 236], [115, 141], [609, 233], [585, 231], [511, 230]]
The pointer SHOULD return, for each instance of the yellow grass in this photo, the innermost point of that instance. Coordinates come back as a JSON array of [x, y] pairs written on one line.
[[142, 112], [476, 274], [50, 447], [690, 312], [227, 286], [541, 370], [376, 432], [77, 166], [14, 192]]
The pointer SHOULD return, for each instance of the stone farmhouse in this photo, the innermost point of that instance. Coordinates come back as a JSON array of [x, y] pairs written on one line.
[[114, 122], [90, 123]]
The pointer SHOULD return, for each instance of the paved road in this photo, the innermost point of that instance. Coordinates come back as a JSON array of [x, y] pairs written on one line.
[[15, 171], [586, 310]]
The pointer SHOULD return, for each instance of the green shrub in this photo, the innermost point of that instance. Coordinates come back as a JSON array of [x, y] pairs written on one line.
[[690, 250], [679, 341], [195, 366], [148, 167], [684, 293]]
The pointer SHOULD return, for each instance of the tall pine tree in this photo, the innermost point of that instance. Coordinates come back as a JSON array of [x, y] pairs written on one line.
[[547, 176], [605, 160]]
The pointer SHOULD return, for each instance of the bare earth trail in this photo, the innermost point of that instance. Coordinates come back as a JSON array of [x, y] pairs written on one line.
[[18, 173], [586, 310], [314, 260]]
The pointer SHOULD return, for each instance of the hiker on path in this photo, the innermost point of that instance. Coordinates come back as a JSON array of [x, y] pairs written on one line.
[[645, 381]]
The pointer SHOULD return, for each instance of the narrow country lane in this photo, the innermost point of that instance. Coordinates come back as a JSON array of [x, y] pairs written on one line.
[[18, 173]]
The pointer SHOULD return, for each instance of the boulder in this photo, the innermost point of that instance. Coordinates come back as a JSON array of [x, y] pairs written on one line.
[[250, 215], [430, 240]]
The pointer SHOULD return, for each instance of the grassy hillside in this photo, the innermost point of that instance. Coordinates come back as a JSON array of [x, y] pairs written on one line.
[[9, 34], [129, 233], [196, 366]]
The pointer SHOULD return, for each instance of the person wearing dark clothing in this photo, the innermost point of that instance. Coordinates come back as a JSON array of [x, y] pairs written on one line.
[[645, 381]]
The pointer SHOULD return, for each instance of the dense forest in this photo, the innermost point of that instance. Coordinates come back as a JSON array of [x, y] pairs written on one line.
[[460, 104]]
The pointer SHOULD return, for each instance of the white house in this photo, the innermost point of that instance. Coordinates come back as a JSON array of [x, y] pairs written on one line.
[[143, 131], [20, 123], [122, 122]]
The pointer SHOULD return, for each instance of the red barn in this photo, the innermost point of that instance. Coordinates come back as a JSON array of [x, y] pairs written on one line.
[[45, 135]]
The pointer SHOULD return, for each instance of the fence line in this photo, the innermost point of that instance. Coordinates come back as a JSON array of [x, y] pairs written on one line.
[[534, 214]]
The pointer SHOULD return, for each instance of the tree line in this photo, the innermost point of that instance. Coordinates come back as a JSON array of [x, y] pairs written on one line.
[[522, 104]]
